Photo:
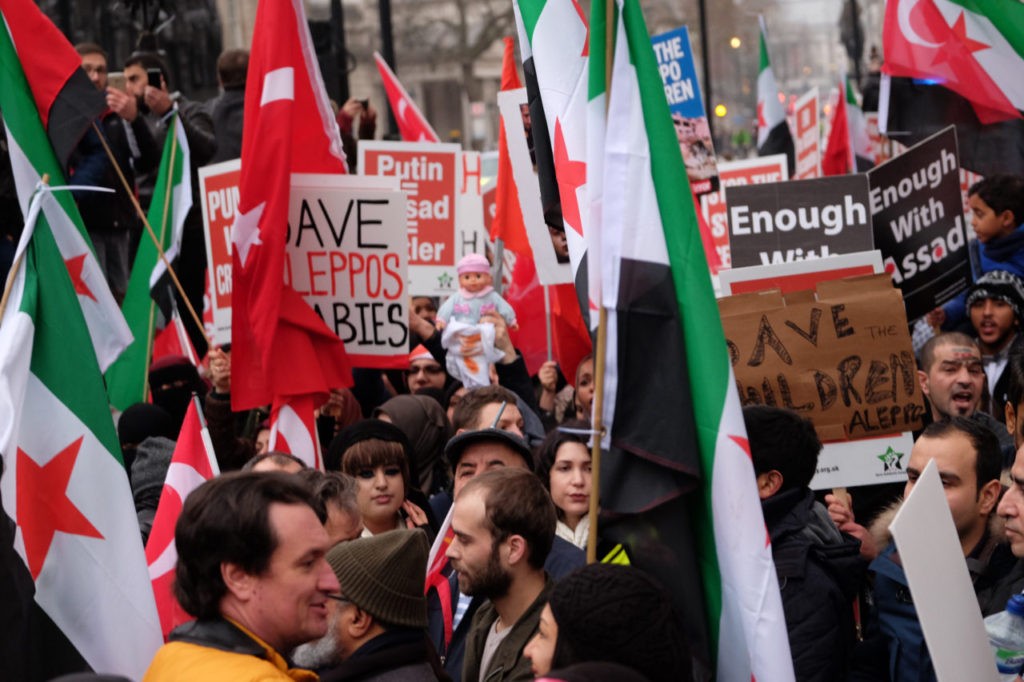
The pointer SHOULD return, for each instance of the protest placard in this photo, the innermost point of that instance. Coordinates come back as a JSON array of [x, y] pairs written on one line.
[[347, 255], [218, 192], [807, 125], [798, 220], [944, 597], [682, 90], [844, 359], [918, 219], [756, 171], [552, 260], [431, 176], [470, 223]]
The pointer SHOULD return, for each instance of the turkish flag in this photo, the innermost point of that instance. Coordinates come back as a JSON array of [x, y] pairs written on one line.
[[919, 42], [293, 430], [280, 346], [411, 123], [192, 464]]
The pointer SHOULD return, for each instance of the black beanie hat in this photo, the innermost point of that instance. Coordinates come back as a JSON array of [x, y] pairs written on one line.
[[619, 614], [367, 429], [142, 420], [383, 575]]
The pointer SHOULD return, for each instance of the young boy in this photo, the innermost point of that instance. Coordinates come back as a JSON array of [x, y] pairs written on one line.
[[997, 217]]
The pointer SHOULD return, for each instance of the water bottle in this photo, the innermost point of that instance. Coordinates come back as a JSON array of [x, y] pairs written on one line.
[[1006, 635]]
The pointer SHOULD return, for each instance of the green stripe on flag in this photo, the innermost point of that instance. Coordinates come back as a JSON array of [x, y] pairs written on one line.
[[127, 378], [530, 11], [1007, 16], [597, 74], [58, 317], [705, 341], [762, 51]]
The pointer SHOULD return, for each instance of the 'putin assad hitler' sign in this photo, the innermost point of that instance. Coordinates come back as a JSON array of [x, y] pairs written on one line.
[[782, 222]]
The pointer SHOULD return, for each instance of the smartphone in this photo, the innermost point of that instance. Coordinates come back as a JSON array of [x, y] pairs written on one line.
[[115, 79], [365, 103], [154, 78]]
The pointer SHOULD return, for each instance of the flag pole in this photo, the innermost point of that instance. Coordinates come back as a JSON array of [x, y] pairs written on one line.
[[599, 347], [547, 318], [149, 228], [15, 266]]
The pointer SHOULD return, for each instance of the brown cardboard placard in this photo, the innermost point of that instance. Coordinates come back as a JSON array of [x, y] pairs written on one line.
[[843, 358]]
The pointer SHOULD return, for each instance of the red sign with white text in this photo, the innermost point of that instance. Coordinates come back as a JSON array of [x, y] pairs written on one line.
[[808, 137], [218, 191], [731, 173]]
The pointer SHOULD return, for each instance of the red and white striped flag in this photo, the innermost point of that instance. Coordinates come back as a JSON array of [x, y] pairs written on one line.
[[293, 429], [192, 464]]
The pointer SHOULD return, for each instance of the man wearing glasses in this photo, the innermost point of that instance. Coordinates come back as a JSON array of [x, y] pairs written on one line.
[[252, 570], [377, 622]]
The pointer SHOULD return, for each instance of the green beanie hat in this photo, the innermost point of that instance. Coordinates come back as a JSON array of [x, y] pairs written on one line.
[[384, 575]]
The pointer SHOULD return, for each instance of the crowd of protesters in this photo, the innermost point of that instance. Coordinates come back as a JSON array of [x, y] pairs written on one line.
[[291, 572]]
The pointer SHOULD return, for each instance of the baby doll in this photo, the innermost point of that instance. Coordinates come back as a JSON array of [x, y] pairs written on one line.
[[470, 343], [476, 295]]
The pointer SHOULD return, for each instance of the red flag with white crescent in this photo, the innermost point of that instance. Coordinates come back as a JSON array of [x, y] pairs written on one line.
[[412, 124]]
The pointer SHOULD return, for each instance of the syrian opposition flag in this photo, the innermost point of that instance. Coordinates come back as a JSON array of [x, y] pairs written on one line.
[[280, 346], [127, 379], [192, 464], [65, 98], [679, 466], [553, 46], [293, 429], [773, 135], [64, 484], [972, 48], [412, 125]]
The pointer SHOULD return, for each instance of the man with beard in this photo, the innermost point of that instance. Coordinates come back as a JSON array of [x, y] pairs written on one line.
[[503, 524], [952, 377], [995, 304], [376, 624]]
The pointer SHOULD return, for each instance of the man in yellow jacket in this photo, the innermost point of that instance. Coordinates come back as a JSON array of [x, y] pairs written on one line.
[[251, 569]]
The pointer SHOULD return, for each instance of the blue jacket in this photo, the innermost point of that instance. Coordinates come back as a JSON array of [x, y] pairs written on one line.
[[1005, 253]]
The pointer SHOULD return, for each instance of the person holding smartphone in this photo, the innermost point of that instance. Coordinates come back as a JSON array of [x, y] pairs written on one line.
[[148, 81]]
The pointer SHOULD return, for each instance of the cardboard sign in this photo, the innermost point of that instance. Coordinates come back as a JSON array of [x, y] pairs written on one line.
[[431, 177], [844, 360], [218, 191], [682, 90], [937, 574], [788, 221], [347, 255], [918, 222], [808, 136], [552, 263], [757, 171]]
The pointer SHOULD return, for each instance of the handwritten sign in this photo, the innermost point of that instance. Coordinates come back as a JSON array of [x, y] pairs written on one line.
[[347, 256], [844, 360], [218, 191]]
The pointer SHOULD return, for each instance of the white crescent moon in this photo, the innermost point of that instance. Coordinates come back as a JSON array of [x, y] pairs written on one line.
[[183, 479], [903, 10], [402, 106]]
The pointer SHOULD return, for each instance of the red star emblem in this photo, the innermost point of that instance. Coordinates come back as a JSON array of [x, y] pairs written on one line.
[[761, 122], [957, 49], [583, 18], [43, 504], [75, 266], [742, 442], [571, 175]]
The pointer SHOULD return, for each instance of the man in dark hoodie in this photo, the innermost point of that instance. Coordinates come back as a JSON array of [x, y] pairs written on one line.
[[819, 568]]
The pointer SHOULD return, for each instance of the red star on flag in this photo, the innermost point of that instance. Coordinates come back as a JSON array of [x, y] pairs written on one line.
[[743, 443], [957, 49], [43, 504], [571, 175], [75, 266], [583, 18], [761, 123]]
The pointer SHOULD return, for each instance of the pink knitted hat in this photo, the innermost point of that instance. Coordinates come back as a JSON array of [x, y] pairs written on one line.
[[473, 262]]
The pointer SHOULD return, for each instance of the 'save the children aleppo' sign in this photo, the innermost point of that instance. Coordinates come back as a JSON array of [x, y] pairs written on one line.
[[843, 358]]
